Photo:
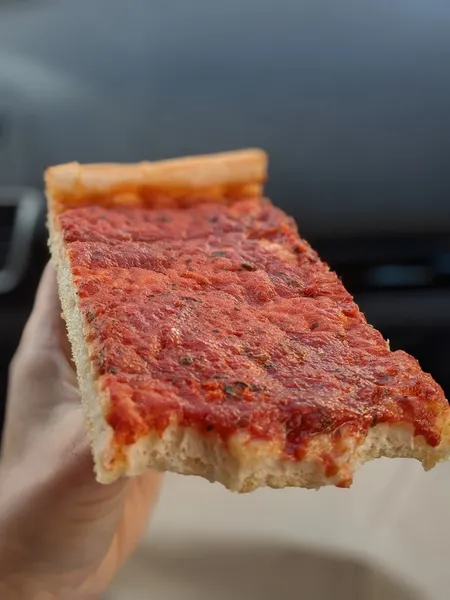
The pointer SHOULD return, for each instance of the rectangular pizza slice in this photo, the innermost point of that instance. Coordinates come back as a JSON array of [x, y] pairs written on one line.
[[210, 339]]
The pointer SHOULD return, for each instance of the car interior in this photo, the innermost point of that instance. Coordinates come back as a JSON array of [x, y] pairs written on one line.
[[350, 99]]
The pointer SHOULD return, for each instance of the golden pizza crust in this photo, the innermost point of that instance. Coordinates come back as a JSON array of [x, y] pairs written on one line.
[[172, 182], [241, 464]]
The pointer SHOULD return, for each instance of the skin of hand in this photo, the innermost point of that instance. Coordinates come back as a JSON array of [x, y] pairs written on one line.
[[62, 534]]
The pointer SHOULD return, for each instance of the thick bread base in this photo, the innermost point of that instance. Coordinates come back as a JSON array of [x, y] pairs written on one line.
[[241, 465]]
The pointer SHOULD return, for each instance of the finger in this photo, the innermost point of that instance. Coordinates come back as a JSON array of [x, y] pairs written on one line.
[[43, 328], [40, 378]]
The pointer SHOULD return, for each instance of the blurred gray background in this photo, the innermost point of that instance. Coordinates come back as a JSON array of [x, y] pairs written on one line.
[[350, 98]]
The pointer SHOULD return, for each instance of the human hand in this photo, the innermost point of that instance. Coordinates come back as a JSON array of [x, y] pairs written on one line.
[[62, 534]]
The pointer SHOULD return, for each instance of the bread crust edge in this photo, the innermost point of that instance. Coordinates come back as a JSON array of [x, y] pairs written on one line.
[[173, 182]]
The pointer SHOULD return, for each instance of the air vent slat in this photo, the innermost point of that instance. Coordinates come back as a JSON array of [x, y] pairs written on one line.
[[7, 218]]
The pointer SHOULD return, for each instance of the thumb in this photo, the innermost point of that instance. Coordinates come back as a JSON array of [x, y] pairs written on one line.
[[45, 330], [44, 404]]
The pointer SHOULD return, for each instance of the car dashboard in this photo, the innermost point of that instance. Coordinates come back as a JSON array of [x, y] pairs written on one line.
[[349, 99]]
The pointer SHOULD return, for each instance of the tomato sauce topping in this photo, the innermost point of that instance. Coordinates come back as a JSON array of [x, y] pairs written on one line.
[[223, 318]]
